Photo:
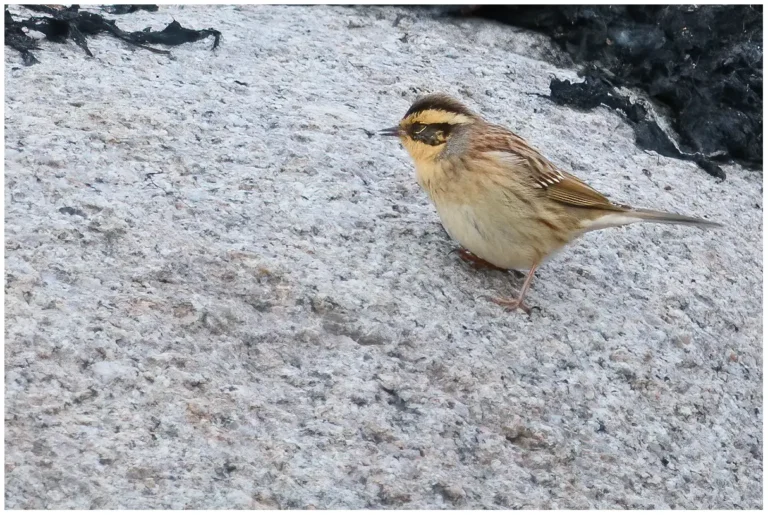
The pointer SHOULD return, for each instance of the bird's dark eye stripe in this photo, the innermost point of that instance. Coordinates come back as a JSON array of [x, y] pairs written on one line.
[[432, 133]]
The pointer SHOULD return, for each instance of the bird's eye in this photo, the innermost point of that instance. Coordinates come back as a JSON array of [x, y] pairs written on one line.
[[418, 128]]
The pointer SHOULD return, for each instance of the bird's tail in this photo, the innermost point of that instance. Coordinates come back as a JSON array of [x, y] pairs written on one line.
[[631, 216], [646, 215]]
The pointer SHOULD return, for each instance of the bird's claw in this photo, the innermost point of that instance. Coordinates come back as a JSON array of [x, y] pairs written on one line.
[[513, 304]]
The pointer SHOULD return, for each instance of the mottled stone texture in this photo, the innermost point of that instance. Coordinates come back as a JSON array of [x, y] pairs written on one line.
[[221, 293]]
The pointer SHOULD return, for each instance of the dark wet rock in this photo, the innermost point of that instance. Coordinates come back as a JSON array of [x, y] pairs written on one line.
[[703, 63], [70, 23]]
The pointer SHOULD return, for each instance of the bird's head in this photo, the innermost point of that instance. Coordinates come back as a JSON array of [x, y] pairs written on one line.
[[430, 124]]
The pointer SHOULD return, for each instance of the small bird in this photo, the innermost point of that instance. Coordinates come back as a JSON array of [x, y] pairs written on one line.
[[506, 204]]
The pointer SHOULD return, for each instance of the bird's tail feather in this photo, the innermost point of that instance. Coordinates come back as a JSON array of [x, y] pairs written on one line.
[[646, 215]]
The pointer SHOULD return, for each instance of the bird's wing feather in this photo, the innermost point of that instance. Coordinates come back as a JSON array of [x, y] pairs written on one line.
[[558, 185], [573, 191]]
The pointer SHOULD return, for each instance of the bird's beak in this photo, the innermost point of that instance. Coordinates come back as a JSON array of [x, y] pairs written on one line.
[[392, 131]]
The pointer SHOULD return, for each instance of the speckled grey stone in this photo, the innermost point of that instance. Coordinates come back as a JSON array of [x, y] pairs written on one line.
[[228, 296]]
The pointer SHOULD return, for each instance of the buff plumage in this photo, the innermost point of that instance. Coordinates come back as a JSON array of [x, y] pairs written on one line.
[[501, 199]]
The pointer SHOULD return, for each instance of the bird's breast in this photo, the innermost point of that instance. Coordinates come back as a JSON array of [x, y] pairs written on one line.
[[476, 213], [432, 177], [488, 235]]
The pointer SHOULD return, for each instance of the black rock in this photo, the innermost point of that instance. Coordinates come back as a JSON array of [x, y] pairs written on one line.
[[72, 24], [127, 9], [705, 63]]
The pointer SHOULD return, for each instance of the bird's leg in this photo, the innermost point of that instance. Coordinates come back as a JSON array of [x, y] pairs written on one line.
[[512, 304], [476, 262]]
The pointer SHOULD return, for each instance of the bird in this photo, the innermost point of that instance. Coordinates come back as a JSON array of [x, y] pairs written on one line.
[[507, 205]]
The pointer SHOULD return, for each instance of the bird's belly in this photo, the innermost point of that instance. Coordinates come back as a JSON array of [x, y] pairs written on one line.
[[488, 236]]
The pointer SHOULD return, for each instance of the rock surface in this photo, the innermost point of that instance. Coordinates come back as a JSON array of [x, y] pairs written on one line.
[[221, 293], [703, 63]]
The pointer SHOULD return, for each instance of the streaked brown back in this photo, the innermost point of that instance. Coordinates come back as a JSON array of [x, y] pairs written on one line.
[[559, 186]]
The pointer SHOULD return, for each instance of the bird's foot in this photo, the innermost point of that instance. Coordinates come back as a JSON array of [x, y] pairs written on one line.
[[513, 304], [476, 262]]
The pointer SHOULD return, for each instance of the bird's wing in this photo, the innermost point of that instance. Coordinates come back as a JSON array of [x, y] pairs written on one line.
[[558, 185]]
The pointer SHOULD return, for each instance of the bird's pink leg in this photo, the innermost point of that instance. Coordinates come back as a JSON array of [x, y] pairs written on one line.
[[513, 304]]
